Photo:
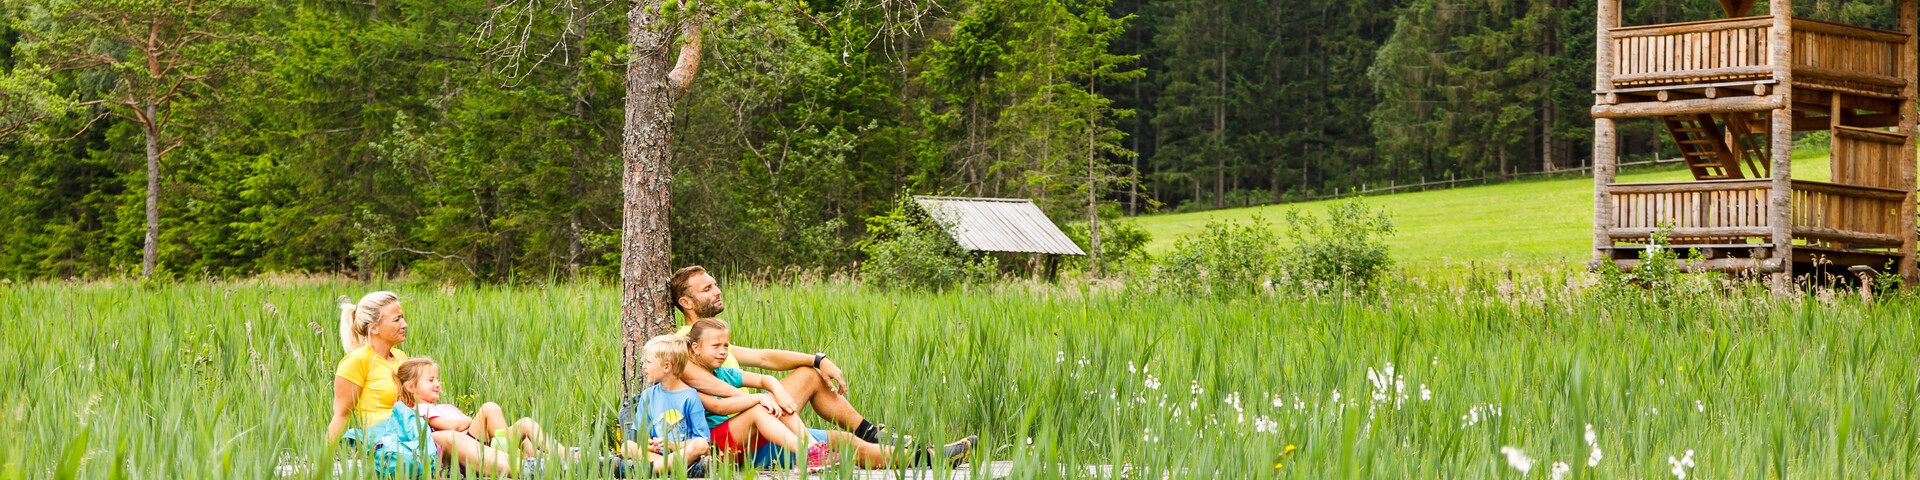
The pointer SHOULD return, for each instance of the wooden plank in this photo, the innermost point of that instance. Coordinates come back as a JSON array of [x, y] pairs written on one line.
[[1642, 232], [1604, 139], [1850, 31], [1661, 74], [999, 469], [1868, 135], [1780, 57], [1690, 27], [1845, 236], [1877, 193], [1699, 106], [1902, 159], [1689, 186], [1814, 73]]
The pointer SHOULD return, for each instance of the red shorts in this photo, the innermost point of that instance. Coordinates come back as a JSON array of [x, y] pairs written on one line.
[[731, 448]]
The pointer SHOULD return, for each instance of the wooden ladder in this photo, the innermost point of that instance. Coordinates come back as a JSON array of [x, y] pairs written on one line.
[[1705, 149]]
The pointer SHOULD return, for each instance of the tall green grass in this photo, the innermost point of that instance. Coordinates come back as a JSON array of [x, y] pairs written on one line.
[[208, 381], [1524, 223]]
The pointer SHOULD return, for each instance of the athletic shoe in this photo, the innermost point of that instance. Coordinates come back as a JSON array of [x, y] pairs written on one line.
[[819, 457], [697, 469], [532, 468], [885, 436], [955, 453]]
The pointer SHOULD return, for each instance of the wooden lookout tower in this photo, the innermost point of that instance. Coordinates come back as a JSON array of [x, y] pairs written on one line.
[[1732, 92]]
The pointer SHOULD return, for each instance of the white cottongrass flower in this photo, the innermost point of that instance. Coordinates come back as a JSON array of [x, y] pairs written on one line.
[[1479, 412], [1518, 459], [1195, 388], [1593, 441], [1425, 394], [1559, 471], [1387, 385], [1262, 424], [1148, 436], [1152, 383], [1059, 356], [1681, 465], [1699, 407]]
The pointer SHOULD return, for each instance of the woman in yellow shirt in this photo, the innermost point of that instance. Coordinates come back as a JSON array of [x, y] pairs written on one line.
[[364, 389]]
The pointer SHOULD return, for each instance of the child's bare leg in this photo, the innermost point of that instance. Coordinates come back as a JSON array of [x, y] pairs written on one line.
[[476, 455], [532, 439], [799, 429], [485, 420], [756, 421], [865, 454], [688, 452]]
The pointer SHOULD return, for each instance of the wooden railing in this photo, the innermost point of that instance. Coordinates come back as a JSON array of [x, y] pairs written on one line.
[[1736, 49], [1730, 211], [1846, 214], [1693, 52], [1713, 208]]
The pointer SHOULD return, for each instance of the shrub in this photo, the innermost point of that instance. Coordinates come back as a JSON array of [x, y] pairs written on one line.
[[910, 251], [1123, 244], [1348, 249], [1229, 259], [1659, 279]]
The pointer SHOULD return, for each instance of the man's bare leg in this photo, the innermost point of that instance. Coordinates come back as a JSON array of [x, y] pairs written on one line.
[[865, 454], [807, 387]]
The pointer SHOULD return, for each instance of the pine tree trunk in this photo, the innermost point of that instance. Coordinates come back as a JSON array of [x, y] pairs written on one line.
[[1093, 187], [150, 252], [1219, 137], [646, 187]]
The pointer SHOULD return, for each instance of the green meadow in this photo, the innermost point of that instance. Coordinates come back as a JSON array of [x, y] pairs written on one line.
[[1525, 223], [231, 380]]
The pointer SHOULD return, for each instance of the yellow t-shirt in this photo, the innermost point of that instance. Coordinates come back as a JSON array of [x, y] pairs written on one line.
[[374, 375]]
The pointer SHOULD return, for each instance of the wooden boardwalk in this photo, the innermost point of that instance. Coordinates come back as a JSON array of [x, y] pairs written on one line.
[[1002, 469]]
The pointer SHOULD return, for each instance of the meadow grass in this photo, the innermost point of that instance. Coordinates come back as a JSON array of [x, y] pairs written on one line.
[[1522, 223], [1428, 381]]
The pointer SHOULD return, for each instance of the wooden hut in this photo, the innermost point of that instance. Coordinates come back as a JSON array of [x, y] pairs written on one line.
[[1002, 225], [1732, 92]]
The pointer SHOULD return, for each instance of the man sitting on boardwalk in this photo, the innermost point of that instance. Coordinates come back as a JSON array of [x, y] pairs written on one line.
[[814, 379]]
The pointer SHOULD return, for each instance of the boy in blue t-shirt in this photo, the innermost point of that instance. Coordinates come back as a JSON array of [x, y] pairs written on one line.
[[676, 424]]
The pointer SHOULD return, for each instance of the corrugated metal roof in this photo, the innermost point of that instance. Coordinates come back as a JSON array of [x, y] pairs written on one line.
[[998, 225]]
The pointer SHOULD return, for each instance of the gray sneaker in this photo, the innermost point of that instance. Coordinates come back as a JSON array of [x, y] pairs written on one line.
[[955, 453]]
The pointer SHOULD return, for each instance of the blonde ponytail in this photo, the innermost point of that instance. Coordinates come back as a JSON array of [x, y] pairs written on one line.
[[355, 318]]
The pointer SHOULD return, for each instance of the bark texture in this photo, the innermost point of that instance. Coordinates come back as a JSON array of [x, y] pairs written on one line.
[[653, 83]]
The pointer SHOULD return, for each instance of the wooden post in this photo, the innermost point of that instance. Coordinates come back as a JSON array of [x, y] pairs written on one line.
[[1780, 197], [1909, 24], [1604, 140]]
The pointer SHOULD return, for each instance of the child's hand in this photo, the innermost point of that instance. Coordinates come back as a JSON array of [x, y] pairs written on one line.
[[767, 402], [656, 445], [785, 402]]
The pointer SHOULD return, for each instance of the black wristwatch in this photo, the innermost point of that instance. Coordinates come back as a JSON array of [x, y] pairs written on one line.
[[817, 358]]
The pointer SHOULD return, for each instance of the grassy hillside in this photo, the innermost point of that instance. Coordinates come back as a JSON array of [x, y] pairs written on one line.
[[1531, 222]]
